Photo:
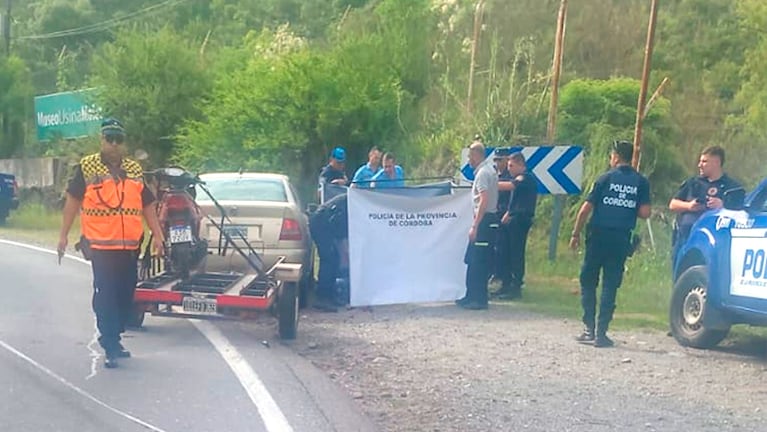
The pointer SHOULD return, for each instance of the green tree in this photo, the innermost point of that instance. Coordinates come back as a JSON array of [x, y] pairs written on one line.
[[15, 105], [593, 113], [291, 105], [153, 83]]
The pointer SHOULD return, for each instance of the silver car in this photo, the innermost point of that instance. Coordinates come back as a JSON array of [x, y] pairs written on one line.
[[266, 209]]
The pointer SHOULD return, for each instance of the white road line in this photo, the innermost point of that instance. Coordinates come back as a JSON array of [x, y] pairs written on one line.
[[78, 390], [95, 355], [44, 250], [270, 412]]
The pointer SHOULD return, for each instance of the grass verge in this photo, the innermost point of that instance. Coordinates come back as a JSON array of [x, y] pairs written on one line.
[[33, 223]]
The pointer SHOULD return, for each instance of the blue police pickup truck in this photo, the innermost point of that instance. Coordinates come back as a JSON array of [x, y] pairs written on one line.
[[720, 272], [9, 196]]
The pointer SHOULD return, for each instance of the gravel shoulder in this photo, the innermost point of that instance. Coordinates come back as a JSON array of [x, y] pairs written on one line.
[[439, 368]]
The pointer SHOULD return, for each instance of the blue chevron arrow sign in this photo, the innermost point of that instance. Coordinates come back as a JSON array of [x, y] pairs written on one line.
[[557, 169]]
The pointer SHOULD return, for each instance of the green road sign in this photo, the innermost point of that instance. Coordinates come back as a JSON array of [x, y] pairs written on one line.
[[66, 115]]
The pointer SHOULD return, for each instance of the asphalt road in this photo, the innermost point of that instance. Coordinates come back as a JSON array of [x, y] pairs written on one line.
[[184, 375]]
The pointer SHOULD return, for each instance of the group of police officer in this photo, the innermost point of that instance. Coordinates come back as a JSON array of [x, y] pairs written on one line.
[[616, 200], [504, 195], [607, 220]]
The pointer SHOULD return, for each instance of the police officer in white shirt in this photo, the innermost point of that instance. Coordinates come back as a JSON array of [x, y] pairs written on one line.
[[479, 253]]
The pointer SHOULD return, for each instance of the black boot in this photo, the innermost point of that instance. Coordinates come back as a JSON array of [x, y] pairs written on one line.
[[602, 341], [462, 301], [587, 337], [110, 361], [513, 292], [121, 352]]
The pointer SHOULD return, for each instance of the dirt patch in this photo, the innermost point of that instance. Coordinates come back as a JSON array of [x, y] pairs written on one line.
[[439, 368]]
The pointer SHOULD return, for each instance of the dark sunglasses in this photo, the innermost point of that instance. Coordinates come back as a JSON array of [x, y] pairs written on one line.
[[115, 139]]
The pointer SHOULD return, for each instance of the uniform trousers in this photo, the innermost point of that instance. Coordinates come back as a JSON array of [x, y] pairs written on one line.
[[513, 237], [115, 274], [479, 258], [330, 261], [606, 252]]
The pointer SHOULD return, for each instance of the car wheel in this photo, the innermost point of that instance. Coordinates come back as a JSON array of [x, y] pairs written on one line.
[[287, 310], [688, 309]]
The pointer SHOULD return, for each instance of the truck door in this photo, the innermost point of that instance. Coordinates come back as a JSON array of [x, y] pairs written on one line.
[[748, 265]]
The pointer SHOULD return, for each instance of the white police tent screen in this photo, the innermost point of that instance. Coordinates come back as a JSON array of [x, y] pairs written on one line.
[[407, 249]]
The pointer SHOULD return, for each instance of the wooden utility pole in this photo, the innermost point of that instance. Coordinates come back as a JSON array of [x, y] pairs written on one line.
[[551, 130], [645, 79], [478, 12]]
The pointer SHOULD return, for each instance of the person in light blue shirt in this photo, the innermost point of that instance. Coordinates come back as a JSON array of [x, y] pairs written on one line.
[[392, 175], [366, 172]]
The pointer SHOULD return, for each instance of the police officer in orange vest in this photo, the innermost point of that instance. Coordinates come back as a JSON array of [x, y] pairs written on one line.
[[108, 191]]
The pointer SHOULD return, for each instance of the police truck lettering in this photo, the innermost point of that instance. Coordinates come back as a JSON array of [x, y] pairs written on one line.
[[753, 262], [622, 200]]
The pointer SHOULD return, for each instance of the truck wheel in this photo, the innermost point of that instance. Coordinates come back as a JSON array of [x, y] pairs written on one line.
[[136, 318], [688, 308], [287, 310]]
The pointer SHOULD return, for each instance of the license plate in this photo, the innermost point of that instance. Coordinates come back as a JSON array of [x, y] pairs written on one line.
[[199, 305], [180, 234], [235, 231]]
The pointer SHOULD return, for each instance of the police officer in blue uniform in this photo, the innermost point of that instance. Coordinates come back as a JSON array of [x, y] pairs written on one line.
[[516, 222], [329, 225], [332, 174], [617, 198], [712, 189], [502, 248]]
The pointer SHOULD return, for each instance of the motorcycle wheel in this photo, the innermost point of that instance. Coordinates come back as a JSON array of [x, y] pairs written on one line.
[[181, 256]]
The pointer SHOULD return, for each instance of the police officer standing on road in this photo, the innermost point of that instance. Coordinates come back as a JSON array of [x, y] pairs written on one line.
[[329, 225], [108, 191], [698, 194], [479, 253], [617, 199], [517, 221]]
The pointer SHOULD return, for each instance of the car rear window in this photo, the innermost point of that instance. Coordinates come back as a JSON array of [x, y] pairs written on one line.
[[244, 189]]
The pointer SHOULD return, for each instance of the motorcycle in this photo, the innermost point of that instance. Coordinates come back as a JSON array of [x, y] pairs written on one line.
[[181, 221]]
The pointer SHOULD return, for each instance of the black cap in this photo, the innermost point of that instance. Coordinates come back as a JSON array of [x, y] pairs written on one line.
[[624, 150], [501, 152], [111, 126]]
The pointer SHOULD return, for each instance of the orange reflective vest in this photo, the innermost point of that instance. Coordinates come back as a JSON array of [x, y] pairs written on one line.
[[111, 211]]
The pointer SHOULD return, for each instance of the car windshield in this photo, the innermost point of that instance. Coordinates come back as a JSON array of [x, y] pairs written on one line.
[[244, 189]]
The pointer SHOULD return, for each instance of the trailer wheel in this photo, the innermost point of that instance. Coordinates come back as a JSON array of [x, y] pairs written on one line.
[[136, 317], [287, 310], [688, 308]]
